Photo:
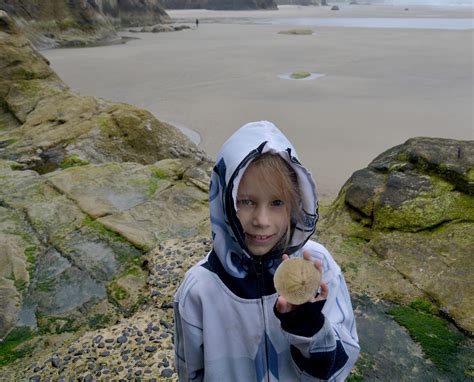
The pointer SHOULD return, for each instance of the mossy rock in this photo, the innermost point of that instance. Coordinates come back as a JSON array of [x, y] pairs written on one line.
[[300, 74], [298, 31], [411, 215]]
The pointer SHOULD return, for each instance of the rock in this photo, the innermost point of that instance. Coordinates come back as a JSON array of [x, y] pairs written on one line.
[[220, 4], [412, 210], [39, 136], [48, 225], [79, 24]]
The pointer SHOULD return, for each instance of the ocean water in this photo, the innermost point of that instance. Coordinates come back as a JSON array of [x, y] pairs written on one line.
[[364, 22], [437, 3]]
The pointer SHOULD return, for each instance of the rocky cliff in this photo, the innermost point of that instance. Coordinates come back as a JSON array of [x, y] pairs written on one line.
[[81, 22], [220, 4]]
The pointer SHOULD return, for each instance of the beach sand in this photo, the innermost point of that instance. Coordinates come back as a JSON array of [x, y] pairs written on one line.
[[380, 86]]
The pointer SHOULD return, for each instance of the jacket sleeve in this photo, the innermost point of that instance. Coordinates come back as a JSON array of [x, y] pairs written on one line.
[[322, 335], [188, 339]]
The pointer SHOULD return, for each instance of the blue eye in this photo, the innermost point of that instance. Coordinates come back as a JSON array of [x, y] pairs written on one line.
[[244, 202]]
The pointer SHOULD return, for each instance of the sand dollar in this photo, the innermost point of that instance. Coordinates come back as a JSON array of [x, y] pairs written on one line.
[[297, 280]]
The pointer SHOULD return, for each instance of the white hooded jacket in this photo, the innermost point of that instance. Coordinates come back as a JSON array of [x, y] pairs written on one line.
[[226, 328]]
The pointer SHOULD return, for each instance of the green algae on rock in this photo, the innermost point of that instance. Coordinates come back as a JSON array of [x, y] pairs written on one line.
[[415, 217], [300, 74], [297, 31]]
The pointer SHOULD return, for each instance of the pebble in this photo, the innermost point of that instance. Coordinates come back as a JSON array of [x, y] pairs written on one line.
[[166, 373], [55, 362], [150, 349], [122, 339]]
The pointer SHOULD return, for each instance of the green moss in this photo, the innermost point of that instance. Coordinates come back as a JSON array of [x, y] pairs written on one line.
[[98, 321], [8, 142], [46, 286], [45, 24], [349, 266], [363, 365], [153, 185], [29, 87], [353, 245], [116, 292], [422, 306], [30, 253], [16, 166], [21, 285], [470, 175], [426, 211], [160, 173], [68, 24], [105, 123], [56, 325], [439, 343], [24, 74], [101, 229], [73, 161], [298, 31], [10, 348], [140, 301], [299, 74]]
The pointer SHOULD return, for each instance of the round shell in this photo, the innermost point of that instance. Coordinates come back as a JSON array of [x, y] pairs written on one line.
[[297, 280]]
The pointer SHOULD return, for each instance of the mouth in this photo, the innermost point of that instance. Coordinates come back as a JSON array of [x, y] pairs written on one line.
[[259, 239]]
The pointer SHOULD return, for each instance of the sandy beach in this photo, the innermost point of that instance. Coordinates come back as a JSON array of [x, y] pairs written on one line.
[[380, 86]]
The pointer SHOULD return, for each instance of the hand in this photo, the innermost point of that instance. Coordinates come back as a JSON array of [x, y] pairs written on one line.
[[284, 306]]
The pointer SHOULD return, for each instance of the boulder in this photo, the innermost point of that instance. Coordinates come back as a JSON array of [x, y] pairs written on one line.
[[411, 211], [45, 126], [79, 23]]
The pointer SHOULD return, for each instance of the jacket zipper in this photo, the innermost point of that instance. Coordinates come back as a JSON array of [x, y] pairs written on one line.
[[259, 273]]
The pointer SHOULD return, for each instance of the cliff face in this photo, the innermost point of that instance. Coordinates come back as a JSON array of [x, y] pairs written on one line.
[[220, 4], [82, 22], [133, 12]]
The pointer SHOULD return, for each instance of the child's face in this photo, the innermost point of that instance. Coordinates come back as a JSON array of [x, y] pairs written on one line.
[[263, 216]]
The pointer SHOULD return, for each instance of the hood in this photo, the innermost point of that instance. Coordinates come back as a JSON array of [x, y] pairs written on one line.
[[247, 143]]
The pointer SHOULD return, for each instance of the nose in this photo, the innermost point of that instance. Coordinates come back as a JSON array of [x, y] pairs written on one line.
[[261, 216]]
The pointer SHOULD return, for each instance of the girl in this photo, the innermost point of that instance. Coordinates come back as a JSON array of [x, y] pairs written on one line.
[[230, 325]]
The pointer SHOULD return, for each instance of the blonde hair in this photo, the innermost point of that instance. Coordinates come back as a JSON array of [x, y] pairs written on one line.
[[280, 179]]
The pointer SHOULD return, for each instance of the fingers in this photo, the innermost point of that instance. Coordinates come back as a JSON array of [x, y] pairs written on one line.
[[323, 291], [285, 257], [283, 306]]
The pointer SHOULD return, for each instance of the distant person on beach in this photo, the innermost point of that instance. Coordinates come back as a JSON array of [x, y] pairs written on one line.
[[230, 324], [197, 23]]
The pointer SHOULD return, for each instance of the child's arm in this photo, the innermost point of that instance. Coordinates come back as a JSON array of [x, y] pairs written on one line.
[[322, 335]]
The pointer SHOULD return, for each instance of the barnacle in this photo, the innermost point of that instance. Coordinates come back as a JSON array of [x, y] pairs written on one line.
[[297, 280]]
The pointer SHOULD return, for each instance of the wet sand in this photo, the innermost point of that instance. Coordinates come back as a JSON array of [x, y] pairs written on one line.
[[380, 86]]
